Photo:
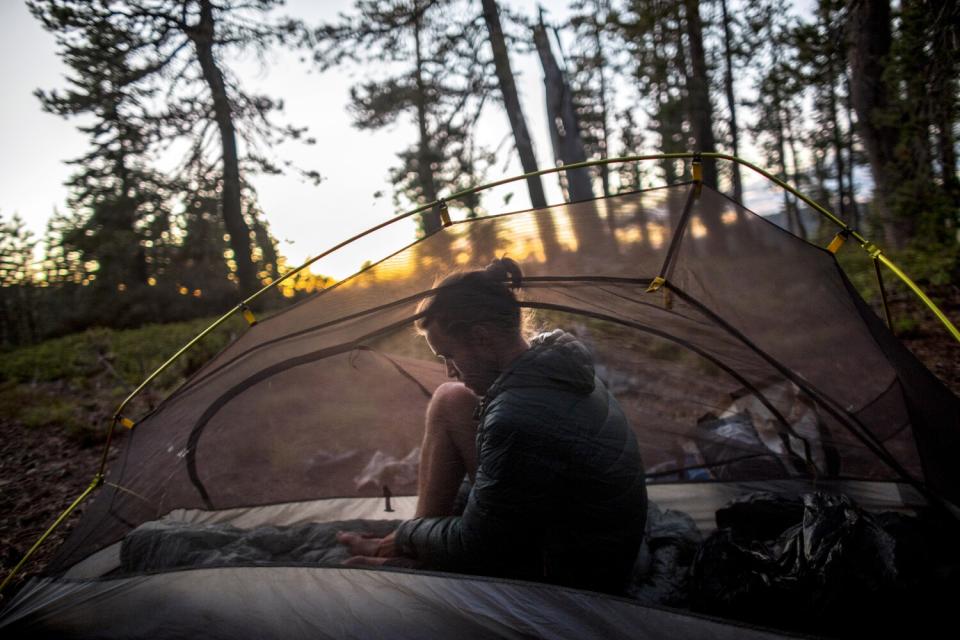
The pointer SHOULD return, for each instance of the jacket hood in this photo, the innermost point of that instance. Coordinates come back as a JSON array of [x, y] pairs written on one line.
[[555, 360]]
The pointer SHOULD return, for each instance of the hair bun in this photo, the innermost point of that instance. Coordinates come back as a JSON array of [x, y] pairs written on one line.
[[504, 269]]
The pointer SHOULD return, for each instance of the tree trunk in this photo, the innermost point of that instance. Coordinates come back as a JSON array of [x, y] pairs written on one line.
[[833, 114], [137, 267], [701, 112], [601, 65], [669, 122], [915, 144], [823, 194], [870, 39], [202, 36], [567, 143], [789, 207], [562, 119], [848, 145], [795, 176], [827, 16], [511, 102], [946, 143], [431, 219], [731, 103]]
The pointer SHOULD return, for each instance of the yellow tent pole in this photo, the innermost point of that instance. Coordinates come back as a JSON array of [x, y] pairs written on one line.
[[96, 482], [866, 244], [117, 417], [917, 290], [590, 163]]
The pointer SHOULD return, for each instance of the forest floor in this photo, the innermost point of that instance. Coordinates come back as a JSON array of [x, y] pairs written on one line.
[[43, 469], [56, 402]]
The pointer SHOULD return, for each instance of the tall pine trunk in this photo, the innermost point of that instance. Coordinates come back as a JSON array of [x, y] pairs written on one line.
[[870, 40], [511, 102], [698, 91], [946, 142], [431, 219], [668, 119], [203, 38], [731, 102], [801, 229], [848, 146], [562, 119], [835, 139], [567, 142], [601, 67]]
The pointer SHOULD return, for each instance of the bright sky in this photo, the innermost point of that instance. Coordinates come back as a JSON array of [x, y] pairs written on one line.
[[306, 219]]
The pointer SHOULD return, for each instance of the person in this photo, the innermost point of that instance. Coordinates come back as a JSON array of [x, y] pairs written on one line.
[[557, 485]]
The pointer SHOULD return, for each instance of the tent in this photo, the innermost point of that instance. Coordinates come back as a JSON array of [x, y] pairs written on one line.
[[742, 355]]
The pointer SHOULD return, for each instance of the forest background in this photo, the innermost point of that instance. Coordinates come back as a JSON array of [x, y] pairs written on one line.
[[185, 161], [855, 103]]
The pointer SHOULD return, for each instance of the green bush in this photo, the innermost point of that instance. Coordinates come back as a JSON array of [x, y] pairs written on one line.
[[75, 383]]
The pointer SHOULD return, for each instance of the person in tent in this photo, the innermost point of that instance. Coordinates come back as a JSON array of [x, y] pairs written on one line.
[[558, 491]]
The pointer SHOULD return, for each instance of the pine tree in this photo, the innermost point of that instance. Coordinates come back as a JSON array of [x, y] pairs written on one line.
[[630, 175], [590, 80], [822, 60], [904, 96], [172, 83], [439, 84], [562, 120], [778, 102], [699, 104], [510, 99], [511, 104], [18, 318], [665, 40], [731, 51]]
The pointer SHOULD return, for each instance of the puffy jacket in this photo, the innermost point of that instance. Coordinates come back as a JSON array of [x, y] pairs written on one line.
[[559, 494]]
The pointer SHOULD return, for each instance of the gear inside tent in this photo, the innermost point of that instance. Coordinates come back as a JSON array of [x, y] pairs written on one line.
[[742, 355]]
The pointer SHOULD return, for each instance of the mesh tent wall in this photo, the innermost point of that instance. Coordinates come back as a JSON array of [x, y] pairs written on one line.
[[698, 312]]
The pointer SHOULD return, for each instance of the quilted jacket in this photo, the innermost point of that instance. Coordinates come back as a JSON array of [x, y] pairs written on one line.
[[559, 494]]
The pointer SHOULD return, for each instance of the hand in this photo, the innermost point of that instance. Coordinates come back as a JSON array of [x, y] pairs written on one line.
[[367, 545]]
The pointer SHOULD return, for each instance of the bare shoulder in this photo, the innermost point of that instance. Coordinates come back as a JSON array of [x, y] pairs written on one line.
[[455, 393]]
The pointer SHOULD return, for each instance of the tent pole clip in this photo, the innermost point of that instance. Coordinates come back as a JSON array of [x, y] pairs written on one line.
[[444, 212], [697, 167], [872, 249], [658, 282], [248, 314], [838, 240], [125, 422]]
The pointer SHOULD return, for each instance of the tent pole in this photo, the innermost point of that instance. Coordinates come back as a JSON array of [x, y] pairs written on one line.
[[917, 290], [96, 482], [883, 293], [590, 163]]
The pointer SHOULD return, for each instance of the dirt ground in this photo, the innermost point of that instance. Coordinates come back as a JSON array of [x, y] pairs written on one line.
[[42, 471]]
